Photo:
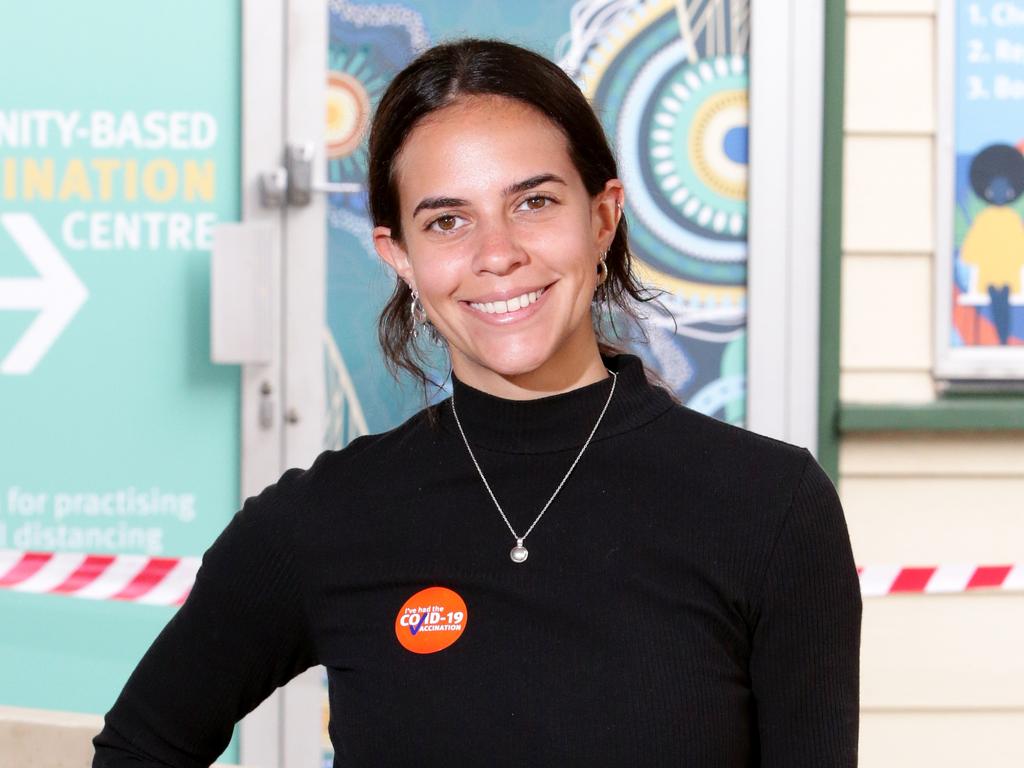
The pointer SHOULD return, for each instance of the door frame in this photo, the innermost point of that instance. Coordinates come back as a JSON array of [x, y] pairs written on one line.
[[787, 69], [304, 321], [283, 401], [261, 450]]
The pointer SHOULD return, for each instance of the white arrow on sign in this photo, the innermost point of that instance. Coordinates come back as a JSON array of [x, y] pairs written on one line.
[[57, 293]]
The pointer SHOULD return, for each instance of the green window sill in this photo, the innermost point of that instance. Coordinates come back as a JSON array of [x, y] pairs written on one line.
[[948, 413]]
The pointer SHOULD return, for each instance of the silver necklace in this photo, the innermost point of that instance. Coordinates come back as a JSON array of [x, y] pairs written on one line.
[[519, 553]]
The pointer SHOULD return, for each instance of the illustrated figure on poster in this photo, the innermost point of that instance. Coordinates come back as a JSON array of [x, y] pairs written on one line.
[[994, 244]]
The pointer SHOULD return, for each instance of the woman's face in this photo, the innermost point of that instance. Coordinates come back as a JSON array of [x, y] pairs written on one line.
[[492, 210]]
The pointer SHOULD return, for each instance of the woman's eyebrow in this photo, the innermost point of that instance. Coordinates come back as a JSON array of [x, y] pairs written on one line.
[[433, 203], [530, 183]]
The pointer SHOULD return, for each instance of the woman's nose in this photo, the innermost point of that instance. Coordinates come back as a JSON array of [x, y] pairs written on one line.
[[498, 250]]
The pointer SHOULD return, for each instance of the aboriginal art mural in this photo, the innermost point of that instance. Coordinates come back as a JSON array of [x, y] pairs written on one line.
[[987, 280], [668, 79]]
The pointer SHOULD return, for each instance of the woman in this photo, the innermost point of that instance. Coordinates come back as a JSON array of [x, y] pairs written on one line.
[[559, 565]]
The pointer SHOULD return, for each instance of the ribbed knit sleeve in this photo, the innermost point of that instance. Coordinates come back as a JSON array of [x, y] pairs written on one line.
[[241, 633], [804, 664]]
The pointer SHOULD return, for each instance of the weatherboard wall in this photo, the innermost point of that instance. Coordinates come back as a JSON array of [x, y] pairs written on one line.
[[942, 677]]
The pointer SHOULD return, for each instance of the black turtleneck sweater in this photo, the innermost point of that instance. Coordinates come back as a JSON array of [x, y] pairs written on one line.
[[690, 597]]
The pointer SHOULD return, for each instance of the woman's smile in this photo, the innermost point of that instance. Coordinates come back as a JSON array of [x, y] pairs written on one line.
[[519, 306]]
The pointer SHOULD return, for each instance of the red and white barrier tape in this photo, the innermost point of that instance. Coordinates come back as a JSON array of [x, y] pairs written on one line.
[[167, 580], [136, 578], [879, 580]]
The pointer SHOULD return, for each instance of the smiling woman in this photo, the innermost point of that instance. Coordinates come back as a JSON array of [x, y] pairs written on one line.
[[493, 211], [491, 182], [650, 587]]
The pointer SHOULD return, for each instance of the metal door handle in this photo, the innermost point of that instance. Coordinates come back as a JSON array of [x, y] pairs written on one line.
[[266, 405], [294, 184]]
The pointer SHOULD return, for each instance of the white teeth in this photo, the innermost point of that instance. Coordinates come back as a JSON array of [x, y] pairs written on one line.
[[501, 307]]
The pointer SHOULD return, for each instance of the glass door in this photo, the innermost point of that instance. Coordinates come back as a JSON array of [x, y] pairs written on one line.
[[669, 79]]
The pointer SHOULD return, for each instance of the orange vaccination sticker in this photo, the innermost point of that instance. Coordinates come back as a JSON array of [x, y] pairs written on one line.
[[431, 620]]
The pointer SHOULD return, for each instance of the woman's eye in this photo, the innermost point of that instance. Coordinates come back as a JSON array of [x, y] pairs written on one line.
[[537, 202], [446, 223]]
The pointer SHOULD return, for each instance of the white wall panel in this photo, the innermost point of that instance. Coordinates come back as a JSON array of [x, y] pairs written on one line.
[[886, 387], [943, 454], [937, 652], [890, 7], [888, 188], [935, 520], [886, 313], [890, 75], [942, 739]]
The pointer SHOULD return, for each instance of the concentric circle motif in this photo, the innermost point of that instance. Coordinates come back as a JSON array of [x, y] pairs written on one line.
[[679, 119], [694, 156], [668, 80], [718, 146], [361, 60], [348, 112]]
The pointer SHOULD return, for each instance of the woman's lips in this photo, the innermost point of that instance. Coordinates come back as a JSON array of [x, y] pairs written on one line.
[[515, 316]]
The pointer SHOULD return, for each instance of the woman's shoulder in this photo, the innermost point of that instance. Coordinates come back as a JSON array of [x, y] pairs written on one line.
[[706, 439], [364, 456]]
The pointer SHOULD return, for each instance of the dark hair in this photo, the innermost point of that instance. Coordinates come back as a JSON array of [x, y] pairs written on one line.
[[473, 67], [997, 174]]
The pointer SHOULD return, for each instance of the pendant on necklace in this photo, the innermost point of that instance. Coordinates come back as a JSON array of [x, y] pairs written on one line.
[[519, 553]]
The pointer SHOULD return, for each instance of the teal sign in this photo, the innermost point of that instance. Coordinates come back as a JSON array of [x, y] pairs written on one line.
[[119, 152]]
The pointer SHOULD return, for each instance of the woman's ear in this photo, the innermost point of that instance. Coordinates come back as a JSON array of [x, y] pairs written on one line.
[[392, 252], [606, 212]]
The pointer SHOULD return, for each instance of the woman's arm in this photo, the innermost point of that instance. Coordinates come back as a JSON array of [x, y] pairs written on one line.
[[805, 663], [241, 633]]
